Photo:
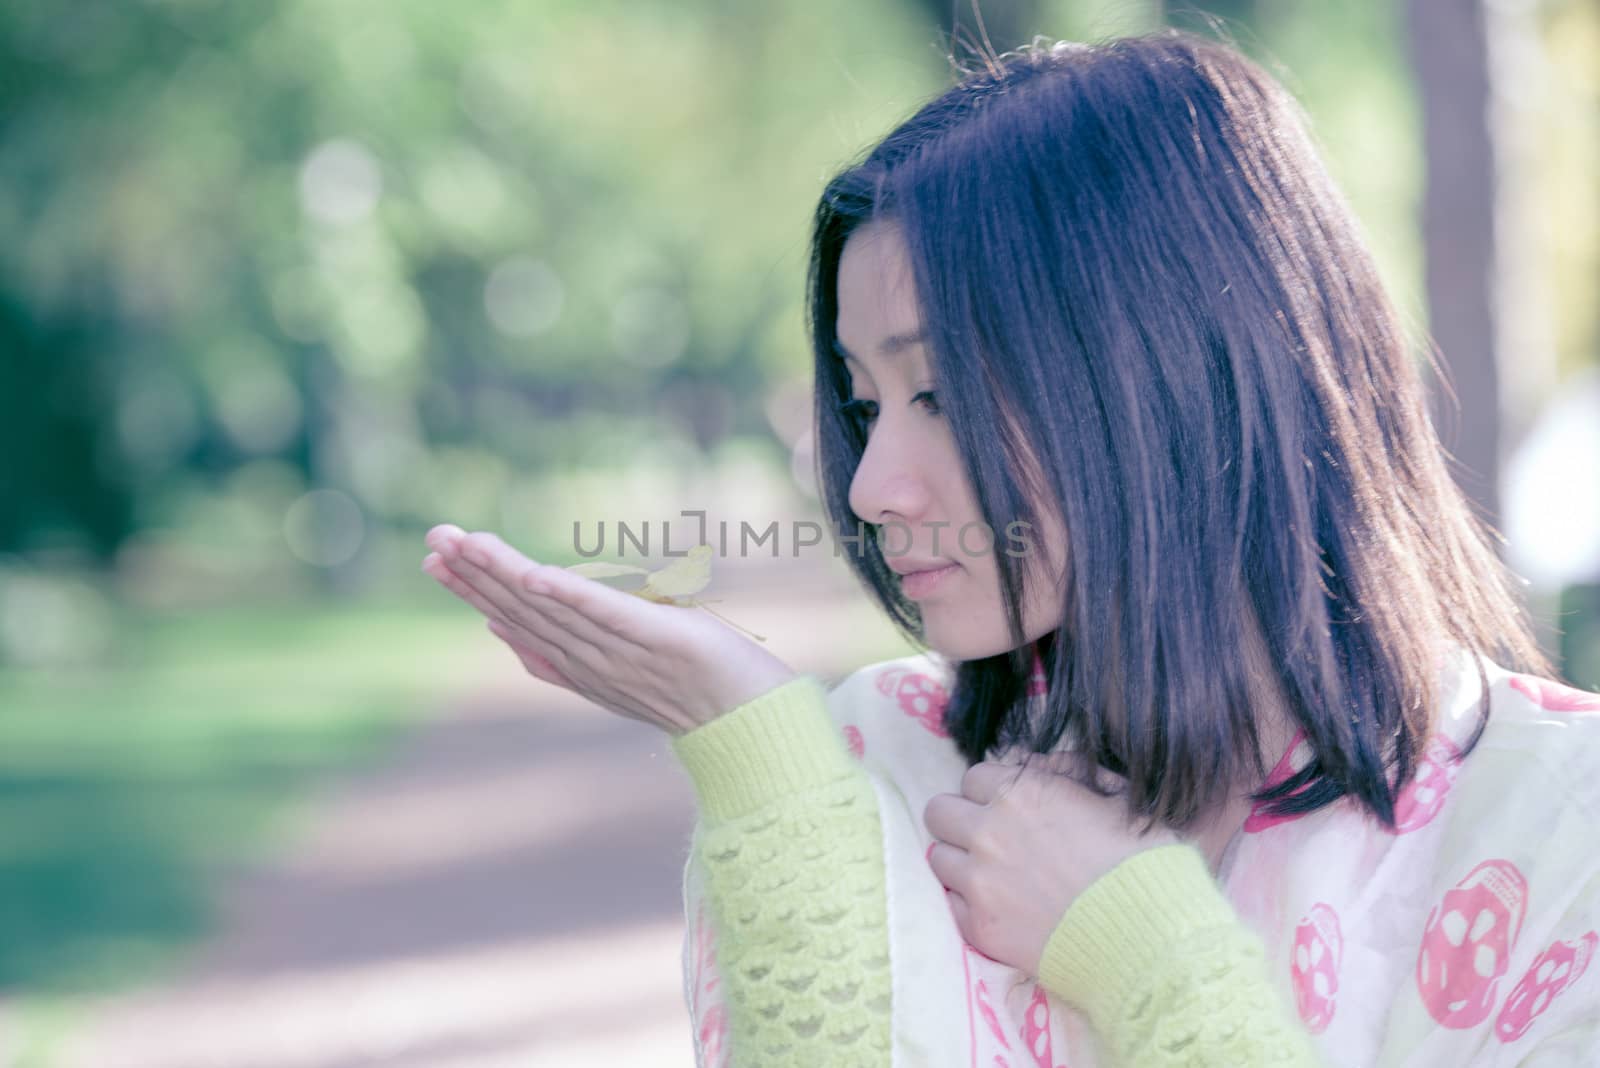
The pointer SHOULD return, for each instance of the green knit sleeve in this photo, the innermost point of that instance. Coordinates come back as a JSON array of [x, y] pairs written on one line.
[[1166, 972], [791, 846]]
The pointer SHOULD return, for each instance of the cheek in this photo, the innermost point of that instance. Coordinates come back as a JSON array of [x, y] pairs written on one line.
[[980, 606], [1042, 601], [1042, 611], [1051, 547]]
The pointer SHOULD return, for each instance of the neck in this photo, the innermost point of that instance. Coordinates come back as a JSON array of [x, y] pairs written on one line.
[[1216, 829], [1214, 837]]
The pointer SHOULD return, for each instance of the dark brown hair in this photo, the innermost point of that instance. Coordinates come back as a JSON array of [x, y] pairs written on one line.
[[1149, 309]]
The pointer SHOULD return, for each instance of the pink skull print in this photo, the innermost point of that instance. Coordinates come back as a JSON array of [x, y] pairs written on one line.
[[1467, 943], [919, 696], [1554, 697], [1314, 966], [1036, 1030], [1425, 794], [1551, 972]]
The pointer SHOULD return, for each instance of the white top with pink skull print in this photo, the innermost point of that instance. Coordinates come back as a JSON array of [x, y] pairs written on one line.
[[1462, 938]]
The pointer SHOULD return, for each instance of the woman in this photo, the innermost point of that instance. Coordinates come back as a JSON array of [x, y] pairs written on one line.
[[1109, 294]]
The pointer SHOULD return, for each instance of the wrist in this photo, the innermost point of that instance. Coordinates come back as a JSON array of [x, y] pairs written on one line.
[[725, 695], [734, 694], [778, 744], [1123, 929]]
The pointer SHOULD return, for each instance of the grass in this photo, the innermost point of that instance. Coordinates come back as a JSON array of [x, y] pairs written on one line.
[[126, 790], [130, 786]]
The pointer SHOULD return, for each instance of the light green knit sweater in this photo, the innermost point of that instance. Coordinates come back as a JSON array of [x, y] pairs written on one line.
[[789, 837]]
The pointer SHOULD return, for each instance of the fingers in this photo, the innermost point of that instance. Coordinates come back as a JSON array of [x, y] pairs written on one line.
[[537, 665], [1109, 781], [953, 819], [473, 585], [987, 780], [444, 533], [541, 667], [1104, 779], [1077, 766], [564, 628], [960, 910], [490, 552], [951, 864], [551, 593], [434, 564], [497, 573], [600, 614], [444, 540], [492, 571]]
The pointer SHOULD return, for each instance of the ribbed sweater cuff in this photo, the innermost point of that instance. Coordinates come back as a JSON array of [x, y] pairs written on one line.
[[1120, 933], [772, 746]]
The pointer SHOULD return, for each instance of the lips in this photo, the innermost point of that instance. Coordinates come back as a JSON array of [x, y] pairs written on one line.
[[901, 566]]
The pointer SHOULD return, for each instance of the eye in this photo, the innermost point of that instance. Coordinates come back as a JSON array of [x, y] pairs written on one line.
[[855, 411], [863, 412]]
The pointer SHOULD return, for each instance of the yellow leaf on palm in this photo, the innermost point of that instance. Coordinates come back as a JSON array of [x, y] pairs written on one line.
[[682, 577]]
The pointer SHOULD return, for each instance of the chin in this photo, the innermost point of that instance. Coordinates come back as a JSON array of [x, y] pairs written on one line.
[[958, 646], [969, 643]]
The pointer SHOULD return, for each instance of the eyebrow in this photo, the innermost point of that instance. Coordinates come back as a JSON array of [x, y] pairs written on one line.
[[890, 346]]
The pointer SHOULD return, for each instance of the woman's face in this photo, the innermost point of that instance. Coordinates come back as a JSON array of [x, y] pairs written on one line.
[[911, 481]]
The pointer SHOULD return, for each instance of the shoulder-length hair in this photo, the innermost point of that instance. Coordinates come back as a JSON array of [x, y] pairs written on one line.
[[1150, 310]]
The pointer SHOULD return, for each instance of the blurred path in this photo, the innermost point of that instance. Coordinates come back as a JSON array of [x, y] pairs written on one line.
[[504, 890]]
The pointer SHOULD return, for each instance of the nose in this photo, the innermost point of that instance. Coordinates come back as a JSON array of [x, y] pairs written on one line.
[[889, 483]]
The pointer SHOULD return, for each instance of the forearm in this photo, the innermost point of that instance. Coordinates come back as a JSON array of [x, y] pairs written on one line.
[[790, 844], [1167, 974]]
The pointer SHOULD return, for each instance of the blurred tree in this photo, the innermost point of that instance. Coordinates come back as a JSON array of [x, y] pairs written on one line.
[[375, 245], [415, 257], [52, 484], [1449, 49]]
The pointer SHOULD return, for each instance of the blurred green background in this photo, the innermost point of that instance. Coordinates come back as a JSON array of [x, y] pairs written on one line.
[[282, 285]]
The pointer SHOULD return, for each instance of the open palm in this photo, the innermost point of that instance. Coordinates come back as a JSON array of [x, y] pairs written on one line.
[[660, 664]]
